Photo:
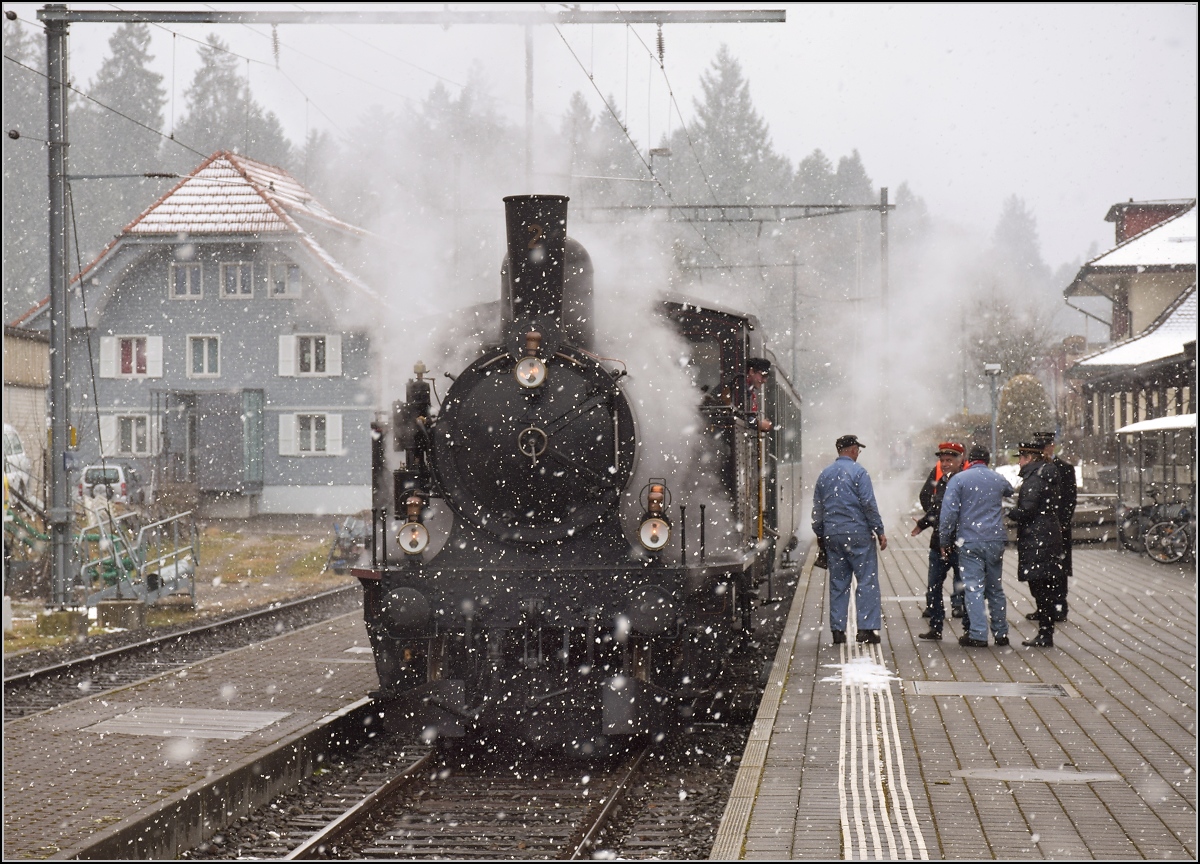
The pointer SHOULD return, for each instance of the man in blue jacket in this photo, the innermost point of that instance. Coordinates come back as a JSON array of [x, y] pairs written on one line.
[[972, 520], [846, 521]]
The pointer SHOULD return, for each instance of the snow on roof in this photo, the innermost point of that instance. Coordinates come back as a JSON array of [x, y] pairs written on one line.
[[230, 194], [233, 194], [1164, 338], [1176, 421], [1149, 204], [1171, 243]]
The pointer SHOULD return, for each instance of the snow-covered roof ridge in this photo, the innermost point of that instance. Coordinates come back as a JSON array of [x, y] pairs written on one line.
[[233, 194], [1173, 329], [1170, 243], [230, 193]]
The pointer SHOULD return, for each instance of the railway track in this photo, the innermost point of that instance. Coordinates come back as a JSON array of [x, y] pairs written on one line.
[[409, 802], [38, 689]]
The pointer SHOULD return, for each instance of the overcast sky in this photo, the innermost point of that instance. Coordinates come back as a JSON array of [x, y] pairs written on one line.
[[1070, 106]]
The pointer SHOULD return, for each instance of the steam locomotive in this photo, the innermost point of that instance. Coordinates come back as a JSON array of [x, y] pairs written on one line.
[[526, 577]]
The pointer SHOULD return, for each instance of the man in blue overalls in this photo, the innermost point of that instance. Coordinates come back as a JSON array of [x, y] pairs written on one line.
[[846, 522]]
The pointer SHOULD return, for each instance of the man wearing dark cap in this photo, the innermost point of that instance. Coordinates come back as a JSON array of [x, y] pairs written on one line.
[[950, 462], [757, 370], [1039, 536], [971, 520], [846, 522], [1068, 498]]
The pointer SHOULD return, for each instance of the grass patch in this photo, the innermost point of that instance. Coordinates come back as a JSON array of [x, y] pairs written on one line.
[[24, 637], [237, 571]]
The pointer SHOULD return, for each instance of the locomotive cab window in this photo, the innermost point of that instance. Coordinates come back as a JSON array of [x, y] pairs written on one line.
[[704, 367]]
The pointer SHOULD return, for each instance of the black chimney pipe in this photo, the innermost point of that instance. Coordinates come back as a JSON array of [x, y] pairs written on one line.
[[537, 233]]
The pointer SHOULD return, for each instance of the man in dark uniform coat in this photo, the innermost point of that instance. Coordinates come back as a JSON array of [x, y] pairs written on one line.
[[1039, 536], [950, 462], [1068, 497]]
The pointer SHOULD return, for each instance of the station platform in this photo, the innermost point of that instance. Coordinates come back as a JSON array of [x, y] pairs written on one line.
[[136, 753], [913, 749]]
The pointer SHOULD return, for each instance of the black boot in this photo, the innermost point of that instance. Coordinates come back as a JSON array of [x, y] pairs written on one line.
[[1045, 637]]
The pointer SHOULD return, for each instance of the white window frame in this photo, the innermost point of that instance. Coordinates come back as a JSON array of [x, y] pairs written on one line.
[[110, 356], [113, 425], [245, 288], [195, 289], [291, 354], [191, 347], [290, 291], [298, 430]]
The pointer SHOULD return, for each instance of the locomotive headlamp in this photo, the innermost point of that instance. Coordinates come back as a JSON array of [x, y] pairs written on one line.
[[654, 533], [531, 371], [413, 537], [655, 530]]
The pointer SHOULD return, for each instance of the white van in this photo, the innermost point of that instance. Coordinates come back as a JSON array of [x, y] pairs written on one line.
[[18, 468]]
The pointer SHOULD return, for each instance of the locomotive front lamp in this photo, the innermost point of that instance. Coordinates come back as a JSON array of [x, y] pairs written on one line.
[[655, 530], [654, 533], [413, 537], [531, 371]]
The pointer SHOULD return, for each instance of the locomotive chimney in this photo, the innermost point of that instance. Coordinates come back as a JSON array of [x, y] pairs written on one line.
[[537, 229], [546, 280]]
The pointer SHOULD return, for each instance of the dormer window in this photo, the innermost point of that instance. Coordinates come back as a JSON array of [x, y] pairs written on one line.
[[285, 279]]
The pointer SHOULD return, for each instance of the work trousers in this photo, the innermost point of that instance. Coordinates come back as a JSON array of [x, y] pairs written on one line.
[[1044, 593], [934, 602], [853, 556], [982, 566]]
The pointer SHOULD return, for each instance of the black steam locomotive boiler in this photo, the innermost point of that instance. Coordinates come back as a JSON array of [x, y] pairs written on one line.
[[523, 577]]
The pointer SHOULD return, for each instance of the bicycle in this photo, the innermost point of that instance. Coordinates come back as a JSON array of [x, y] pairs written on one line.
[[1170, 540]]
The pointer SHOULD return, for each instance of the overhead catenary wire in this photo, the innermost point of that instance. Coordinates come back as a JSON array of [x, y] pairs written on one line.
[[75, 89], [624, 129]]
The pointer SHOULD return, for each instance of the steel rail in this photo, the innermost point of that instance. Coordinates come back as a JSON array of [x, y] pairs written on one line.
[[68, 665], [610, 804], [364, 809]]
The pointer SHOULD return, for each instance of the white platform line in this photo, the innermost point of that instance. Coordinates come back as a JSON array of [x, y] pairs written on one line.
[[866, 717]]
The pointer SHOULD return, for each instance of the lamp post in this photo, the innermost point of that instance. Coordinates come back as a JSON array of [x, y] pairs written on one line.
[[992, 370]]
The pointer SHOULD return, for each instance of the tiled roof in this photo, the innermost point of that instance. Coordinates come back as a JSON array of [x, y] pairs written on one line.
[[1164, 338], [233, 194]]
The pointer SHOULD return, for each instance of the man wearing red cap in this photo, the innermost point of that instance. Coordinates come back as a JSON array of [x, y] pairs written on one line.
[[950, 461]]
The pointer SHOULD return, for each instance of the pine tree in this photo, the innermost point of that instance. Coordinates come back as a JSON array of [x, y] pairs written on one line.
[[731, 142], [1016, 243], [26, 189], [222, 114], [852, 185], [815, 180], [106, 139]]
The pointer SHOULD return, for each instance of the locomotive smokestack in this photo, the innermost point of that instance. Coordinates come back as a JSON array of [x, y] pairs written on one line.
[[537, 232], [546, 280]]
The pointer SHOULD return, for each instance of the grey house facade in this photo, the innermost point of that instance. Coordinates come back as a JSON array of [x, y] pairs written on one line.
[[211, 356]]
